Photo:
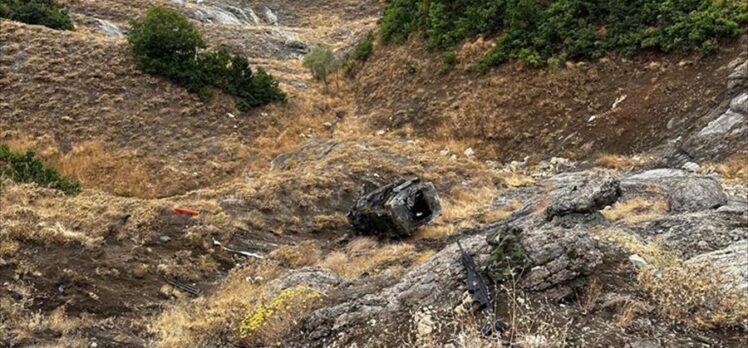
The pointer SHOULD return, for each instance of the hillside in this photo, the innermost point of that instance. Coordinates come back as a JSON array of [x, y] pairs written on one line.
[[604, 200]]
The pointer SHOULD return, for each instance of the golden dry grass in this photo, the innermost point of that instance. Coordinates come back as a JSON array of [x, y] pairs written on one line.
[[698, 295], [619, 162], [733, 169], [365, 256], [636, 210]]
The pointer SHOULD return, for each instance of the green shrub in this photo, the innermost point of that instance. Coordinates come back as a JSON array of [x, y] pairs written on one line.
[[364, 48], [321, 62], [360, 53], [543, 32], [450, 58], [165, 43], [27, 168], [39, 12]]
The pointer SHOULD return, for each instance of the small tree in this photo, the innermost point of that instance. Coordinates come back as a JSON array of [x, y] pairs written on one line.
[[165, 43], [321, 62]]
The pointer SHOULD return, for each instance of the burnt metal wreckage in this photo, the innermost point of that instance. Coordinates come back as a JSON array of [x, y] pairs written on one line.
[[396, 210]]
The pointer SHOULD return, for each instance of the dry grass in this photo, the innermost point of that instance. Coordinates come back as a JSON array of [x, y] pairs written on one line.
[[733, 169], [590, 296], [636, 210], [628, 313], [698, 295], [620, 162], [218, 315], [365, 256], [305, 254]]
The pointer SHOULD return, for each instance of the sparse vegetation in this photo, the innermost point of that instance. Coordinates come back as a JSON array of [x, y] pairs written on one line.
[[361, 53], [40, 12], [269, 322], [27, 168], [321, 62], [541, 33], [698, 295], [166, 44]]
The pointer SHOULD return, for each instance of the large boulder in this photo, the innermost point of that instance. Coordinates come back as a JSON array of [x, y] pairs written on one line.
[[586, 195], [696, 193]]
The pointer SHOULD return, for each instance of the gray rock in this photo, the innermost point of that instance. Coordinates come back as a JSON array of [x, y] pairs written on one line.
[[584, 197], [645, 343], [298, 46], [657, 174], [734, 207], [738, 77], [270, 17], [695, 194], [739, 104], [320, 279], [109, 28], [732, 261], [558, 255], [725, 123], [696, 233], [215, 15], [691, 167]]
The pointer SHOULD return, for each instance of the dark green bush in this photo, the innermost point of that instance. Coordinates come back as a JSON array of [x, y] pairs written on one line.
[[39, 12], [546, 32], [27, 168], [165, 43]]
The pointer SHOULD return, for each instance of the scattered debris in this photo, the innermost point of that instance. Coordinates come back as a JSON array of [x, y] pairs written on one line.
[[164, 239], [185, 211], [243, 253], [190, 289], [397, 209]]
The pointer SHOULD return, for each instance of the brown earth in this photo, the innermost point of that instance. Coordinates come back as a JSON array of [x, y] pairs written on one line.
[[514, 111]]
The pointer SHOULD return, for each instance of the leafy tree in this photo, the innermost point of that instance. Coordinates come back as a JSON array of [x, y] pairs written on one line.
[[321, 62], [39, 12]]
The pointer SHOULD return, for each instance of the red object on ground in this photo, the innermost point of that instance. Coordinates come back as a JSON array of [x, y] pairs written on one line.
[[185, 211]]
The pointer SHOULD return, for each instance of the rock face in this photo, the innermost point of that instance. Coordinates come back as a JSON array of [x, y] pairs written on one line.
[[586, 196], [696, 194], [684, 191], [732, 261]]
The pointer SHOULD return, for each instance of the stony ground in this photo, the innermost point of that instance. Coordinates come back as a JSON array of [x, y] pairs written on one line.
[[639, 240]]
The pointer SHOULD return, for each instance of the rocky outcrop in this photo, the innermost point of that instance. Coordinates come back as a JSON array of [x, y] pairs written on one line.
[[683, 190], [586, 196], [731, 261], [696, 233]]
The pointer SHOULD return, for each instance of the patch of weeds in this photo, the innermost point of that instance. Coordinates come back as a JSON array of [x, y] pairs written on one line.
[[27, 168], [270, 321]]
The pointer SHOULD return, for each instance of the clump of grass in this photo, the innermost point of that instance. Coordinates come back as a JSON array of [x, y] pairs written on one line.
[[364, 256], [269, 322], [619, 162], [27, 168], [695, 294], [698, 295], [636, 210]]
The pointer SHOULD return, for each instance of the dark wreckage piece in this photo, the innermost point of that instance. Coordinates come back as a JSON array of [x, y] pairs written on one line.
[[396, 210]]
